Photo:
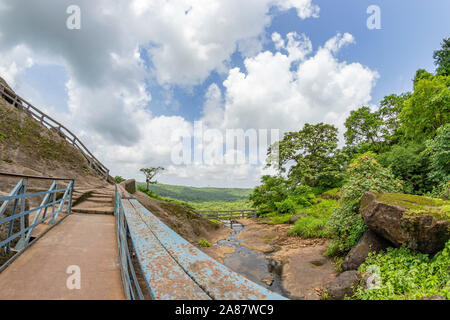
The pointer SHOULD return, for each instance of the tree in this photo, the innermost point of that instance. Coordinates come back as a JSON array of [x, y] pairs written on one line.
[[442, 58], [119, 179], [439, 151], [426, 109], [271, 191], [150, 173], [311, 155], [363, 127]]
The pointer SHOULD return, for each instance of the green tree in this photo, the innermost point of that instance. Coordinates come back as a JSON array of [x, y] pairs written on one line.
[[426, 109], [363, 127], [150, 173], [439, 152], [272, 190], [119, 179], [442, 58], [311, 155]]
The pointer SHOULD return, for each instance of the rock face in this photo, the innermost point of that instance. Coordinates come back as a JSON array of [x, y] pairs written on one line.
[[421, 223], [343, 285], [130, 185], [369, 242]]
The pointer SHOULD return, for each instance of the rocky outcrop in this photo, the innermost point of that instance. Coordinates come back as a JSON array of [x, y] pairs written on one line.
[[343, 285], [421, 223], [129, 185], [369, 242]]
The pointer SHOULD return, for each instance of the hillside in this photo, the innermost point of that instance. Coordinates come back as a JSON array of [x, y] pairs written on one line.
[[193, 194], [27, 147]]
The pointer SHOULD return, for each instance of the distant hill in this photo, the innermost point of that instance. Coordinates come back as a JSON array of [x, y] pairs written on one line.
[[198, 195]]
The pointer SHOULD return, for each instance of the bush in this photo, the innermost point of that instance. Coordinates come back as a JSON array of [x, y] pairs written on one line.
[[204, 243], [119, 179], [286, 206], [310, 227], [407, 275], [304, 196], [346, 225], [439, 151], [272, 190]]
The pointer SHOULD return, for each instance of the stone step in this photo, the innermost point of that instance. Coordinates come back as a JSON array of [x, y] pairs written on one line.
[[99, 210]]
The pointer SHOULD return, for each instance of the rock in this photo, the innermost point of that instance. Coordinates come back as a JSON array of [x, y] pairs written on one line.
[[343, 285], [369, 242], [318, 262], [296, 217], [421, 223], [434, 297], [129, 185], [4, 227]]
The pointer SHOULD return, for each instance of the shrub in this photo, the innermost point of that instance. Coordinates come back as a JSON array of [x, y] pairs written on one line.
[[407, 275], [119, 179], [310, 227], [346, 225], [439, 151], [285, 206], [304, 196], [204, 243]]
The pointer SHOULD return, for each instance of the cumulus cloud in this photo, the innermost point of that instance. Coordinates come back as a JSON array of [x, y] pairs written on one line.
[[186, 40]]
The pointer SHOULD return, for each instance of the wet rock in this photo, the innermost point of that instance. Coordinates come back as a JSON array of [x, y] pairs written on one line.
[[369, 242], [318, 262], [420, 223], [343, 285], [296, 217], [434, 297], [129, 185]]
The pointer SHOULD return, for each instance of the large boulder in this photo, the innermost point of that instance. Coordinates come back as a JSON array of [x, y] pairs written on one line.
[[129, 185], [369, 242], [421, 223], [343, 285]]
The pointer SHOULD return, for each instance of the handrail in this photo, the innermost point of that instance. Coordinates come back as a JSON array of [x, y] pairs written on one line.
[[16, 175], [130, 283], [21, 238], [11, 97]]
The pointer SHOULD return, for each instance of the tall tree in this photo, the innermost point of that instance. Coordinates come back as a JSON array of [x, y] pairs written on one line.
[[310, 154], [442, 58], [150, 173]]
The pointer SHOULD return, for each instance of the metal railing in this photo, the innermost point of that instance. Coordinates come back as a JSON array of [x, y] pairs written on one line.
[[227, 214], [50, 123], [15, 238], [130, 283]]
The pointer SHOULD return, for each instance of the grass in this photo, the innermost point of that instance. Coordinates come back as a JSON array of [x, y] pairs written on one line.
[[204, 243]]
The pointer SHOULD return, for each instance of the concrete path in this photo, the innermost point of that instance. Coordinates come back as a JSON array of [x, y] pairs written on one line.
[[84, 240]]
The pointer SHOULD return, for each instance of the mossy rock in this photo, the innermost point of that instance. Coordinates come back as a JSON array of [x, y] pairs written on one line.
[[420, 223]]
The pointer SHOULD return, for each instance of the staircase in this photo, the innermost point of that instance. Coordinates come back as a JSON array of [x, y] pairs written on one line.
[[94, 201]]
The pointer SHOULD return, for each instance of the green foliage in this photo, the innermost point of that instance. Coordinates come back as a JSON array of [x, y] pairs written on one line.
[[285, 206], [409, 163], [204, 243], [314, 225], [303, 196], [271, 191], [3, 136], [346, 225], [119, 179], [407, 275], [427, 109], [200, 195], [313, 154], [439, 151], [442, 58]]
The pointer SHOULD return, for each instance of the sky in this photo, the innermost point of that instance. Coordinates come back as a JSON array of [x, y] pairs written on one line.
[[137, 75]]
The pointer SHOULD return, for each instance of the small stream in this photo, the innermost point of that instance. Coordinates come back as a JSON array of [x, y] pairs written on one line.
[[252, 264]]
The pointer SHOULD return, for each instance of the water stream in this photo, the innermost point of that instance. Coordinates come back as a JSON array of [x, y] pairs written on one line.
[[251, 263]]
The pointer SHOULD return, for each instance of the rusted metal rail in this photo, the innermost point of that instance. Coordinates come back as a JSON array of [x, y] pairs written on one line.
[[50, 123], [227, 214], [173, 268], [19, 235]]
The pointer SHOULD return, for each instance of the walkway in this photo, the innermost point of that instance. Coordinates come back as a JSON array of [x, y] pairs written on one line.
[[84, 240]]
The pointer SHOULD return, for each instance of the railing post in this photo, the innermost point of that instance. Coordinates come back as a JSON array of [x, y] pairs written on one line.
[[22, 241], [69, 205]]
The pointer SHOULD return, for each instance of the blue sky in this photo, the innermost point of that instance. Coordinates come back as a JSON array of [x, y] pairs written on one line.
[[203, 44], [411, 31]]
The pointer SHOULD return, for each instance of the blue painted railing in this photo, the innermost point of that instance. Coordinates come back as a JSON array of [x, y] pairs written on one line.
[[172, 267], [130, 283], [16, 200]]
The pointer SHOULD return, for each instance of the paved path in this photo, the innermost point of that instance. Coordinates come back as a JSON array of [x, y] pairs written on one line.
[[85, 240]]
